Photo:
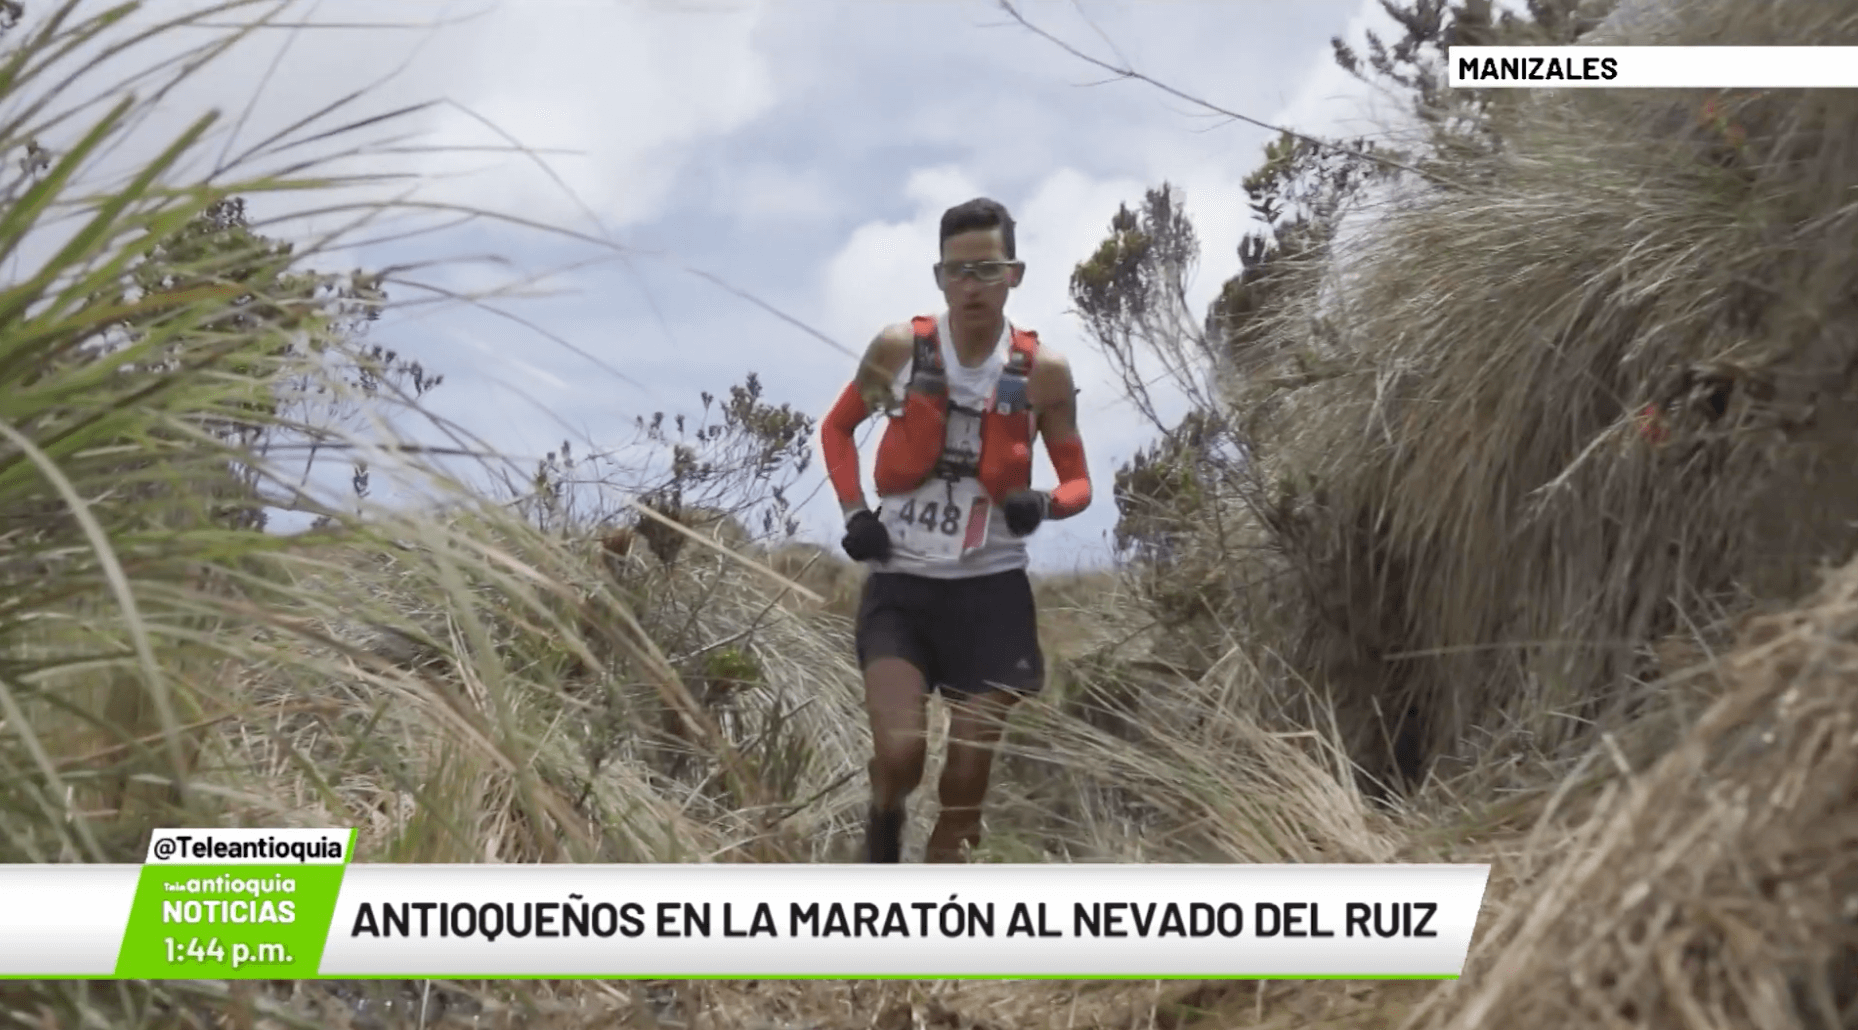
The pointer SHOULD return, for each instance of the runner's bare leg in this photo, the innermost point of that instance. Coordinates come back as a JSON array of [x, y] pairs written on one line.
[[896, 699], [975, 726]]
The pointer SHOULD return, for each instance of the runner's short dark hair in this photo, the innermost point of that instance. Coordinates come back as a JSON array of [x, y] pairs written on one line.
[[979, 213]]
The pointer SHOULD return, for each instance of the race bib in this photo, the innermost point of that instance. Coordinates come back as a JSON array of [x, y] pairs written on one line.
[[938, 523]]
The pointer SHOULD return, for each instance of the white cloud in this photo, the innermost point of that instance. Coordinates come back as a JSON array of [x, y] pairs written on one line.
[[627, 87], [626, 84], [768, 192]]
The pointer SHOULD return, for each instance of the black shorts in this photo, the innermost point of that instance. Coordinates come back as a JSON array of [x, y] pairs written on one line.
[[967, 636]]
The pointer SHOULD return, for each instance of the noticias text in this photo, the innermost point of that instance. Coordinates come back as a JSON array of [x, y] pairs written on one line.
[[236, 910]]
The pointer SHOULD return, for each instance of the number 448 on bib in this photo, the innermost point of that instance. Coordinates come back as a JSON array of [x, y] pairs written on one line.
[[932, 525]]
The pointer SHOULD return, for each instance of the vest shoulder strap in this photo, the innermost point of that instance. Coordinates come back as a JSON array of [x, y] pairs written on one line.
[[927, 354], [1024, 352]]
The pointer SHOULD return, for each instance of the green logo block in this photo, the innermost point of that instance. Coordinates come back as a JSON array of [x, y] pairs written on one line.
[[229, 922]]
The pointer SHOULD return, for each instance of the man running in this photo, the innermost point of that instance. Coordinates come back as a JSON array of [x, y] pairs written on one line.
[[948, 604]]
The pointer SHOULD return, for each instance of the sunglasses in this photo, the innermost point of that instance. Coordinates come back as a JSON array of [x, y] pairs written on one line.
[[980, 271]]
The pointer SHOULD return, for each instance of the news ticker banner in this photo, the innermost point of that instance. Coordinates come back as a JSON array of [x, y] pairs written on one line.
[[1652, 67], [288, 905]]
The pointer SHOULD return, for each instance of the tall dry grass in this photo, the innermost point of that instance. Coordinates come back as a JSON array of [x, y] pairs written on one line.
[[1716, 887], [1592, 393], [459, 683]]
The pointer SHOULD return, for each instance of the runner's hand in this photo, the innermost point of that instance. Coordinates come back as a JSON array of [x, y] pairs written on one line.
[[1025, 509], [880, 399], [866, 539]]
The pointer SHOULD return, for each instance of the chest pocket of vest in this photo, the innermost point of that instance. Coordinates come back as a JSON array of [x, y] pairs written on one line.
[[1010, 396], [961, 443], [927, 377]]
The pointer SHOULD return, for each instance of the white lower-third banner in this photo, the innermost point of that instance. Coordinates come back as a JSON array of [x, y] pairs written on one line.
[[1652, 67], [201, 915], [1073, 921]]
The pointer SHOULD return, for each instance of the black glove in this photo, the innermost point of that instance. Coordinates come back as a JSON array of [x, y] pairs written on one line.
[[1025, 509], [866, 539]]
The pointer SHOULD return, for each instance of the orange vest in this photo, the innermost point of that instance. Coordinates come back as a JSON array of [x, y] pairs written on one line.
[[911, 450]]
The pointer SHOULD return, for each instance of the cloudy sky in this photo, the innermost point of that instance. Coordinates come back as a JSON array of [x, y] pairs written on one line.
[[801, 150]]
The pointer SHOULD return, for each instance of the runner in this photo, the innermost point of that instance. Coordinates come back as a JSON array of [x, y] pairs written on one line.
[[948, 604]]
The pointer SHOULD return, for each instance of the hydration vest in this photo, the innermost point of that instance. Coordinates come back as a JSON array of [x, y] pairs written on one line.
[[912, 449]]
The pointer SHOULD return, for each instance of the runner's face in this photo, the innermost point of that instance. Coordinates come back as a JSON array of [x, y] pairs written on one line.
[[970, 301]]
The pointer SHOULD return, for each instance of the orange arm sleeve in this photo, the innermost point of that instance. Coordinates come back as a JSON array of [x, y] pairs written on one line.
[[835, 438], [1073, 492]]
